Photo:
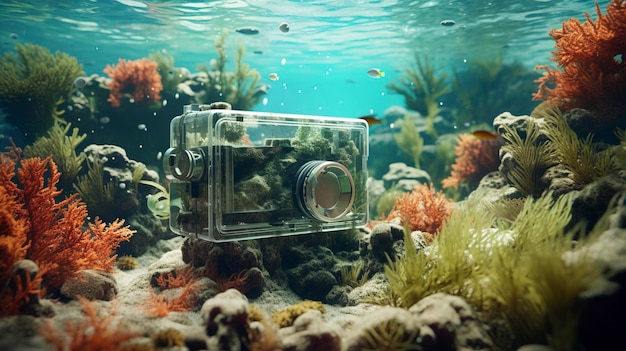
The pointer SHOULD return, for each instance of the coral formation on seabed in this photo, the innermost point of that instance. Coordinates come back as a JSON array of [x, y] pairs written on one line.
[[139, 80], [38, 226], [592, 72]]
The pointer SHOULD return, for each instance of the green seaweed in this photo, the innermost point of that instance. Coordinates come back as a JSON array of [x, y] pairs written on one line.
[[511, 271], [240, 88], [62, 147], [531, 157], [170, 75], [92, 188], [578, 156], [410, 141], [33, 83], [421, 89]]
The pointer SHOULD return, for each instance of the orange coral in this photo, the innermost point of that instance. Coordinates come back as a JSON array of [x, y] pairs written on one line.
[[98, 332], [594, 67], [160, 305], [34, 225], [139, 79], [474, 159], [422, 209]]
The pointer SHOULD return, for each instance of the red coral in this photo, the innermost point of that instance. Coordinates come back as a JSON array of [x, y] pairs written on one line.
[[98, 332], [422, 209], [474, 159], [594, 66], [139, 79], [35, 226]]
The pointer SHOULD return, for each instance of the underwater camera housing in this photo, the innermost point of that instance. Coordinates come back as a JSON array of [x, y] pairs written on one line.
[[237, 175]]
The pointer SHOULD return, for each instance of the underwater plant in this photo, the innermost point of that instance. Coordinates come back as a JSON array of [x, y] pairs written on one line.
[[410, 141], [36, 226], [578, 156], [474, 159], [488, 87], [530, 158], [241, 88], [170, 75], [422, 209], [62, 147], [139, 80], [512, 271], [97, 193], [33, 83], [421, 89], [592, 68]]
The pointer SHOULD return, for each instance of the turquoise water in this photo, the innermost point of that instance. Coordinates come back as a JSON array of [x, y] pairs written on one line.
[[322, 61]]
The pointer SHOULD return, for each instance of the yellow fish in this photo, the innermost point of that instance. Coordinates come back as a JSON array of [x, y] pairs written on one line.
[[375, 73], [273, 76]]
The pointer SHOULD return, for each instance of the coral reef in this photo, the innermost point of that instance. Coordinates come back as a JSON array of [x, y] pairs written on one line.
[[422, 209], [47, 231], [593, 69], [138, 80], [33, 84], [474, 159]]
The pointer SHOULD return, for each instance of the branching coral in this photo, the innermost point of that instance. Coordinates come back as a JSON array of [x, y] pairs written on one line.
[[98, 332], [422, 209], [32, 84], [474, 159], [421, 89], [591, 55], [139, 79], [47, 231]]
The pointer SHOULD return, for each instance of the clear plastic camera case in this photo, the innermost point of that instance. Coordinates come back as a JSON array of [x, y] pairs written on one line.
[[237, 175]]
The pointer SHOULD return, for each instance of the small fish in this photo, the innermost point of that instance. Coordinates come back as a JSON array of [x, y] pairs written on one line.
[[375, 73], [273, 76], [448, 23], [14, 36], [284, 27], [247, 30], [371, 120], [485, 135], [258, 52]]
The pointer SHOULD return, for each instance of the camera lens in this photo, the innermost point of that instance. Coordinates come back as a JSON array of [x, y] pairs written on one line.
[[324, 190], [185, 165]]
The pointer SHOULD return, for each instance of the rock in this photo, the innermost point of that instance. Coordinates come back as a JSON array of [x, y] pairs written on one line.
[[90, 284], [316, 285], [388, 328], [455, 323], [225, 317], [400, 171], [338, 295], [591, 202], [310, 333]]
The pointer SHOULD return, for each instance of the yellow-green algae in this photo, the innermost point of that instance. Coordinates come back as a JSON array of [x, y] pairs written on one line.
[[511, 271], [33, 83], [62, 147]]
